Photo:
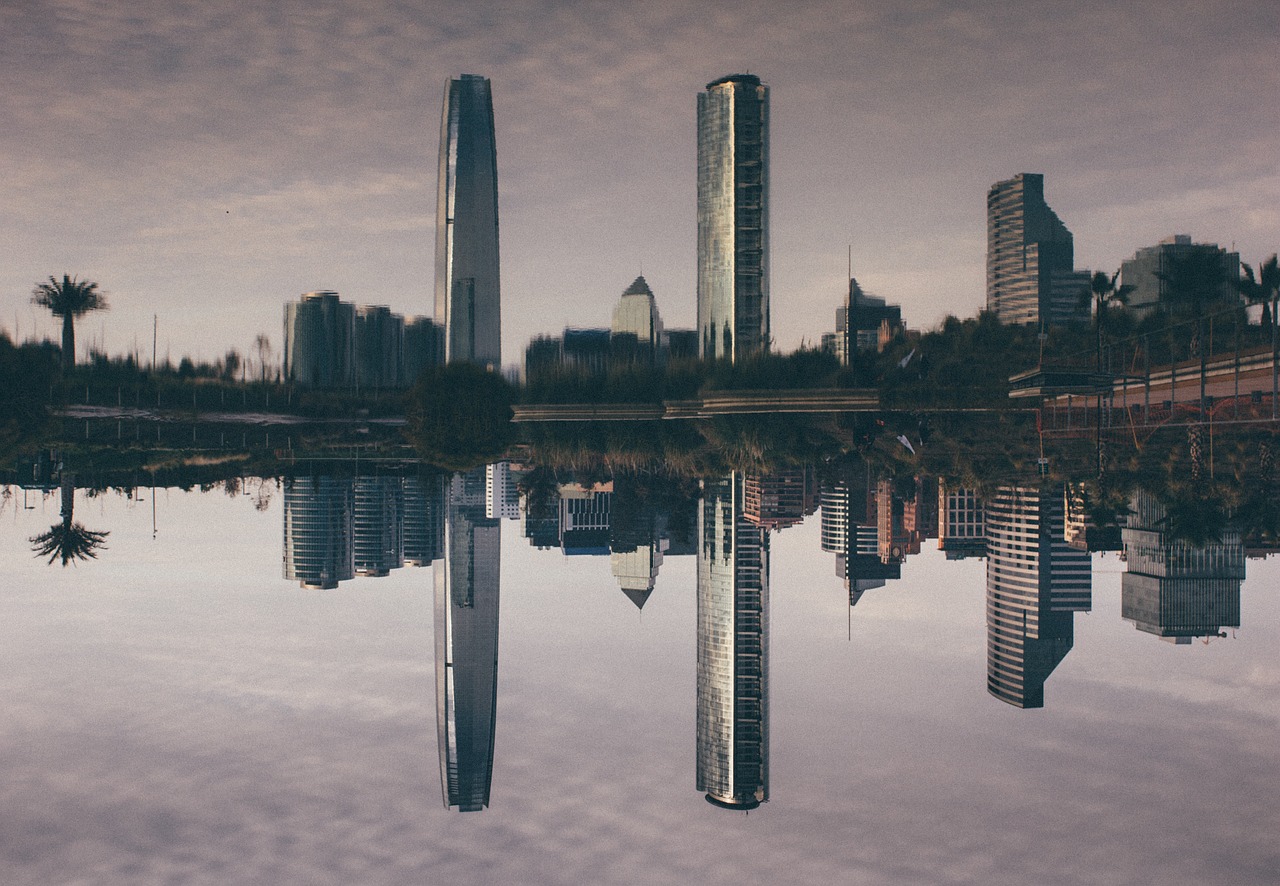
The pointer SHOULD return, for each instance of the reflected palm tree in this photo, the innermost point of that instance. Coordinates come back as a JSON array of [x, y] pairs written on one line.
[[68, 541]]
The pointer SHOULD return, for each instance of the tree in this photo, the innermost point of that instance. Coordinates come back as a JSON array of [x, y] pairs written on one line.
[[68, 541], [459, 416], [1260, 289], [1105, 293], [68, 299], [1263, 289], [1192, 282]]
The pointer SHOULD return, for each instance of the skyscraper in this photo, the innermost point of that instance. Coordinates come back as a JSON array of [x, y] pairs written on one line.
[[733, 217], [467, 291], [733, 650], [466, 635], [1030, 254], [1035, 585]]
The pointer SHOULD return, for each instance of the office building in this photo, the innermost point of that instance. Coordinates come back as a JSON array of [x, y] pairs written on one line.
[[378, 350], [319, 538], [733, 218], [319, 341], [584, 519], [423, 348], [467, 288], [733, 650], [1030, 257], [1147, 271], [423, 533], [378, 512], [1174, 589], [1035, 585], [466, 644], [962, 529], [636, 329]]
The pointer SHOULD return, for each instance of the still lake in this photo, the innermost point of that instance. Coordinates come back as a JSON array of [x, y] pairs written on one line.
[[177, 711]]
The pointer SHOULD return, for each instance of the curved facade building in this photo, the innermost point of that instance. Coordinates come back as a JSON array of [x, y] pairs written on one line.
[[467, 291], [733, 218], [1035, 585]]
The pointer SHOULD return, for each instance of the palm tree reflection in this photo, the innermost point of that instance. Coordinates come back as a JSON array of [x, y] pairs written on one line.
[[68, 541]]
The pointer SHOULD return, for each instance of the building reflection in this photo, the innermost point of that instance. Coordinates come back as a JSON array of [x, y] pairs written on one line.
[[319, 540], [733, 649], [336, 528], [466, 637], [1035, 585], [1173, 589]]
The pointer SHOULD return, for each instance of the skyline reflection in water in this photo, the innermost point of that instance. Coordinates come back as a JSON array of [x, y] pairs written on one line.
[[599, 705]]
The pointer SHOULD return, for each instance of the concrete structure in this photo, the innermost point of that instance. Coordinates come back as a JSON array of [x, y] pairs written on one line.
[[467, 284], [733, 218], [733, 650], [1030, 257], [1143, 272]]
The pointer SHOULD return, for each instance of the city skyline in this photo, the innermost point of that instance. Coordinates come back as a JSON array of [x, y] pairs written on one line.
[[221, 164]]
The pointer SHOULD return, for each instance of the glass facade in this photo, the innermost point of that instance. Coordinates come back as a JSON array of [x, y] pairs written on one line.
[[1035, 584], [467, 289], [733, 650], [733, 218], [466, 635]]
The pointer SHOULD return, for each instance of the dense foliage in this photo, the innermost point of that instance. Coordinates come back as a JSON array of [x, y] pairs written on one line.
[[459, 416]]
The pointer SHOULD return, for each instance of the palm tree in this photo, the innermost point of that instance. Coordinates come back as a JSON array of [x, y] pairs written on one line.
[[1263, 289], [1105, 293], [68, 541], [68, 299], [1192, 282]]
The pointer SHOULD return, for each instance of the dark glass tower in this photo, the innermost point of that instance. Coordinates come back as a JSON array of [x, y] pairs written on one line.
[[467, 292], [466, 628], [733, 217]]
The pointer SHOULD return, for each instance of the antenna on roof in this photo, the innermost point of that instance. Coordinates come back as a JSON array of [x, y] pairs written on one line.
[[851, 261]]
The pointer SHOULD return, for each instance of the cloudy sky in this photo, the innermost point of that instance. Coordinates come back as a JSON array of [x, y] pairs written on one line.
[[207, 161]]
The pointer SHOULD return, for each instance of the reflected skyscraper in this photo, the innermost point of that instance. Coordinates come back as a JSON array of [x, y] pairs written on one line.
[[1035, 585], [379, 525], [1175, 590], [319, 541], [467, 289], [423, 520], [733, 650], [733, 218], [466, 629]]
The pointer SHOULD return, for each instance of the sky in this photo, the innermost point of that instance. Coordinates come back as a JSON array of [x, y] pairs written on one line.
[[205, 162]]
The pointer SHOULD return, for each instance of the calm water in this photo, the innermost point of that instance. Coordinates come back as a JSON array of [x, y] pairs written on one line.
[[180, 712]]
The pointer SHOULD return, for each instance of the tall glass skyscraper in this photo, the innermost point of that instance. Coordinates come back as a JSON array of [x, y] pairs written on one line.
[[467, 291], [466, 635], [733, 217], [733, 650]]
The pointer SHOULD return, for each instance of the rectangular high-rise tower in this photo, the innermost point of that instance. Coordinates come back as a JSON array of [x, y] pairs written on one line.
[[467, 291], [1030, 254], [733, 218]]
